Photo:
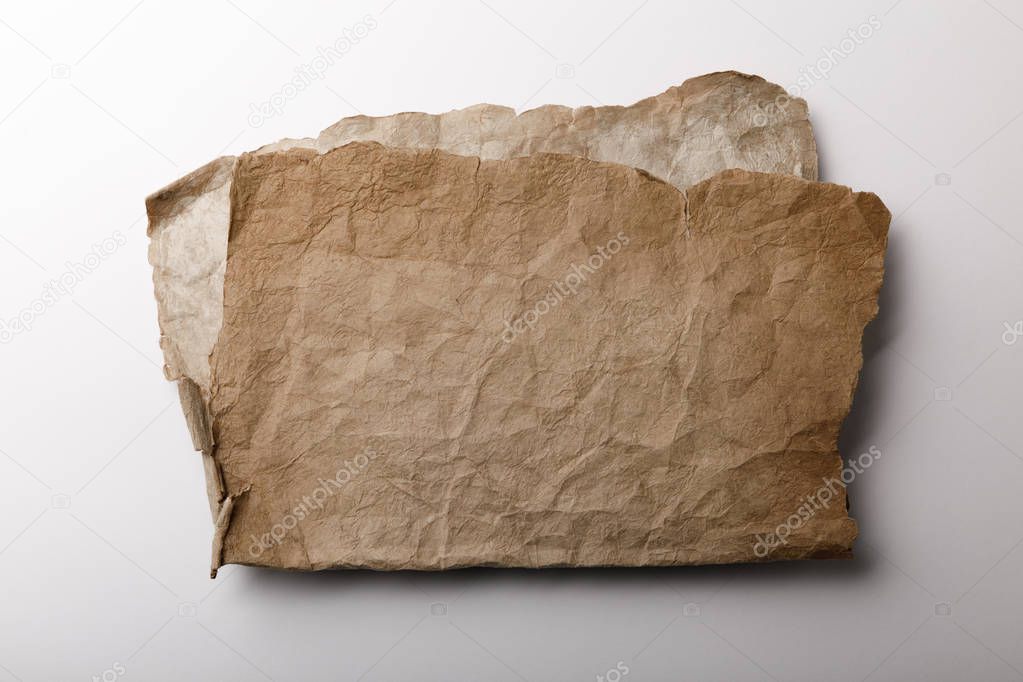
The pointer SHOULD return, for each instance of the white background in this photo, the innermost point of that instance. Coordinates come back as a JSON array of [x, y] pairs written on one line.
[[105, 529]]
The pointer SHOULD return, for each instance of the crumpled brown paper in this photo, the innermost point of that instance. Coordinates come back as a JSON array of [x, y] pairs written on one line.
[[684, 135], [430, 361]]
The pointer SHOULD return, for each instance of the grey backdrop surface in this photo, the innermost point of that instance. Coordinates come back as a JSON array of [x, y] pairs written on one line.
[[104, 535]]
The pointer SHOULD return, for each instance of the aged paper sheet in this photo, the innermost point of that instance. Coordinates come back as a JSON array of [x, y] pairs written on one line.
[[686, 136], [430, 361]]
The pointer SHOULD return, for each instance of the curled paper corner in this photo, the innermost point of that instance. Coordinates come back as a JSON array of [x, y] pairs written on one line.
[[220, 529]]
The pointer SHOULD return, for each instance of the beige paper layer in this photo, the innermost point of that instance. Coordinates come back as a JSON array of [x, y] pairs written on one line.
[[429, 361]]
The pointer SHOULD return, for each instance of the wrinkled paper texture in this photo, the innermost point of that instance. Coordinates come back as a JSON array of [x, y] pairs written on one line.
[[684, 135], [429, 361]]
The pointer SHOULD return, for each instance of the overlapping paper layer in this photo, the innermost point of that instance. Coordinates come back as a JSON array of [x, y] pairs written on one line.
[[616, 354], [684, 135]]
